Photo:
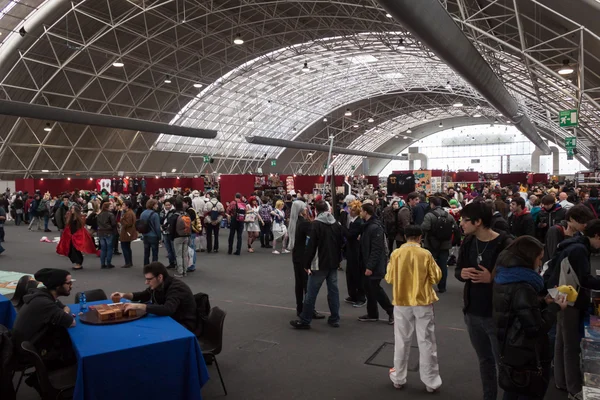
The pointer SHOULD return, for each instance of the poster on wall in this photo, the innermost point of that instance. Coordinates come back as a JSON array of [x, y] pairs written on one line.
[[423, 179], [436, 184], [260, 181], [289, 183]]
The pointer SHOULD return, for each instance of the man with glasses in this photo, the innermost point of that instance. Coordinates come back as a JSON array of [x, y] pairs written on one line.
[[43, 319], [165, 296]]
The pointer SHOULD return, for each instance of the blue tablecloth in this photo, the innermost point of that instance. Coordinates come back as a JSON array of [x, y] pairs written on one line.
[[151, 358], [7, 312]]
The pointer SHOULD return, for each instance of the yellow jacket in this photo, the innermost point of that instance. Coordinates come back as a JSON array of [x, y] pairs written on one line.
[[412, 271]]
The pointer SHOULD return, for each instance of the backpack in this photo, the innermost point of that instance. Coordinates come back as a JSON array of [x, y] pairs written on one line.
[[240, 212], [442, 229], [202, 311], [142, 226], [214, 213], [41, 206], [183, 227]]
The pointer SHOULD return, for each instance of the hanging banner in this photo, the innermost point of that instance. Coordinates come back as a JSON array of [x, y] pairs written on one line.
[[289, 183], [423, 179], [436, 184]]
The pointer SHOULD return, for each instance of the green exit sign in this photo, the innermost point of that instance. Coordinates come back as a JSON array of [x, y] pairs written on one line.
[[570, 142], [273, 163], [567, 118], [206, 159], [570, 153]]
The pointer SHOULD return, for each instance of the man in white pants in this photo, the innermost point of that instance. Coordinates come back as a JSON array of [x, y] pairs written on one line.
[[412, 271]]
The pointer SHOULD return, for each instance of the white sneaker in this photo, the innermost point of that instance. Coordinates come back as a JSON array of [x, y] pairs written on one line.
[[276, 252], [432, 390], [398, 386], [286, 251]]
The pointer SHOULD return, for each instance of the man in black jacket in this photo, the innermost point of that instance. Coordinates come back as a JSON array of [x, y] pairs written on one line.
[[520, 220], [322, 258], [165, 296], [574, 256], [476, 261], [43, 319], [374, 259], [551, 214]]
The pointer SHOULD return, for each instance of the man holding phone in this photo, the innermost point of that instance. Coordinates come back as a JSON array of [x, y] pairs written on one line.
[[476, 260]]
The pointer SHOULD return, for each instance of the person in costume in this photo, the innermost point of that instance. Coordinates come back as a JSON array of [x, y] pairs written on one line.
[[75, 239]]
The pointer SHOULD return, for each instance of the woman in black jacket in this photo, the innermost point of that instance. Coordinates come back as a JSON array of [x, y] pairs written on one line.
[[522, 317], [351, 231]]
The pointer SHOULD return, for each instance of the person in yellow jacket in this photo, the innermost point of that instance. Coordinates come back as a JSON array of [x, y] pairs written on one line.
[[412, 272]]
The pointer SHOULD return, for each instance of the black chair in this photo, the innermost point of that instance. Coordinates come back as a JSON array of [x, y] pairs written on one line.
[[211, 341], [54, 385], [25, 283], [92, 295]]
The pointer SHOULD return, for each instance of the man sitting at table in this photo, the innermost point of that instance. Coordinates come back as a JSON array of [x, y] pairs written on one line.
[[167, 296], [43, 319]]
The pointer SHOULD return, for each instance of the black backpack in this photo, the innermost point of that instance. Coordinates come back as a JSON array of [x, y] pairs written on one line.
[[202, 311], [442, 229]]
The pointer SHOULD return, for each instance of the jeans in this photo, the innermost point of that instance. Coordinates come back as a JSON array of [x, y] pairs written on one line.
[[300, 283], [18, 219], [210, 231], [170, 250], [46, 220], [106, 249], [484, 339], [441, 258], [266, 235], [376, 294], [236, 227], [150, 243], [181, 245], [192, 245], [315, 280], [35, 219], [127, 255]]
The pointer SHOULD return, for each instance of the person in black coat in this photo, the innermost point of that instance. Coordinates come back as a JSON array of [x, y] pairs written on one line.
[[551, 214], [522, 318], [520, 221], [354, 274], [374, 259]]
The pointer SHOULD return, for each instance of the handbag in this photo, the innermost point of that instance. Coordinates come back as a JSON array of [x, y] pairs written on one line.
[[250, 216], [522, 380]]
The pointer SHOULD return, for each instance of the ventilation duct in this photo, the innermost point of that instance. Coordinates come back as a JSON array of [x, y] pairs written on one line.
[[318, 147], [429, 21], [46, 113]]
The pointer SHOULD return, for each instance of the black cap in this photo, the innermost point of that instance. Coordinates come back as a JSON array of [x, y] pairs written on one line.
[[51, 277]]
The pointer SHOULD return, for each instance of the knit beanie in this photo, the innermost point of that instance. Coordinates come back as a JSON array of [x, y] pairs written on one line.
[[51, 277]]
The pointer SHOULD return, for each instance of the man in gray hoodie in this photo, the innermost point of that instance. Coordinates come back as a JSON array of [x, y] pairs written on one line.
[[322, 258]]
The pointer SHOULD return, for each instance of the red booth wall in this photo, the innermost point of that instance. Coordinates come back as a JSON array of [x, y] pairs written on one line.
[[229, 185], [513, 177]]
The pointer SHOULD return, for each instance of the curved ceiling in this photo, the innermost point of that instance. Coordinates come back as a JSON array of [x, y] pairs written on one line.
[[354, 50]]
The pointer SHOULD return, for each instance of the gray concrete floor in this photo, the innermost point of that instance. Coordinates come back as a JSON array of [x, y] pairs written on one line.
[[263, 357]]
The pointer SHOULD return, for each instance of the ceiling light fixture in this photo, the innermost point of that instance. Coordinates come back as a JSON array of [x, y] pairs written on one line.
[[388, 15], [441, 125], [167, 79], [371, 119], [174, 170], [566, 69], [448, 85], [408, 130], [401, 45], [473, 138], [496, 121], [348, 113], [48, 128], [250, 122], [310, 154], [305, 68], [405, 137], [355, 125], [477, 115], [41, 179], [45, 170], [478, 107], [69, 178], [325, 119], [459, 104], [197, 85], [294, 129], [155, 176], [118, 64], [238, 39], [91, 179]]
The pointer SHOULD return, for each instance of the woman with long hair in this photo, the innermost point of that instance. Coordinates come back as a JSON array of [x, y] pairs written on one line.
[[75, 239], [252, 221], [279, 229], [523, 319]]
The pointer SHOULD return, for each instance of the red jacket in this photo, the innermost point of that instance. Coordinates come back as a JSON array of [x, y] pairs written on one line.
[[81, 240]]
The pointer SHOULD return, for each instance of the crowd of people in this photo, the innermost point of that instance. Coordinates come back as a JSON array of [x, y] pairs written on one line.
[[509, 245]]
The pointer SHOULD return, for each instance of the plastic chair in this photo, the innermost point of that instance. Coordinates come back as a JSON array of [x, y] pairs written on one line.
[[25, 283], [57, 384], [92, 295], [211, 341]]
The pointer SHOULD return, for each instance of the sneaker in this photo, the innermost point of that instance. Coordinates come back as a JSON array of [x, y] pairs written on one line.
[[103, 267], [236, 253], [276, 252], [47, 230], [299, 324], [171, 266], [318, 315], [215, 250], [286, 251], [431, 390], [349, 300], [578, 396], [191, 269], [110, 266], [359, 304], [398, 386], [390, 320], [366, 318], [335, 324]]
